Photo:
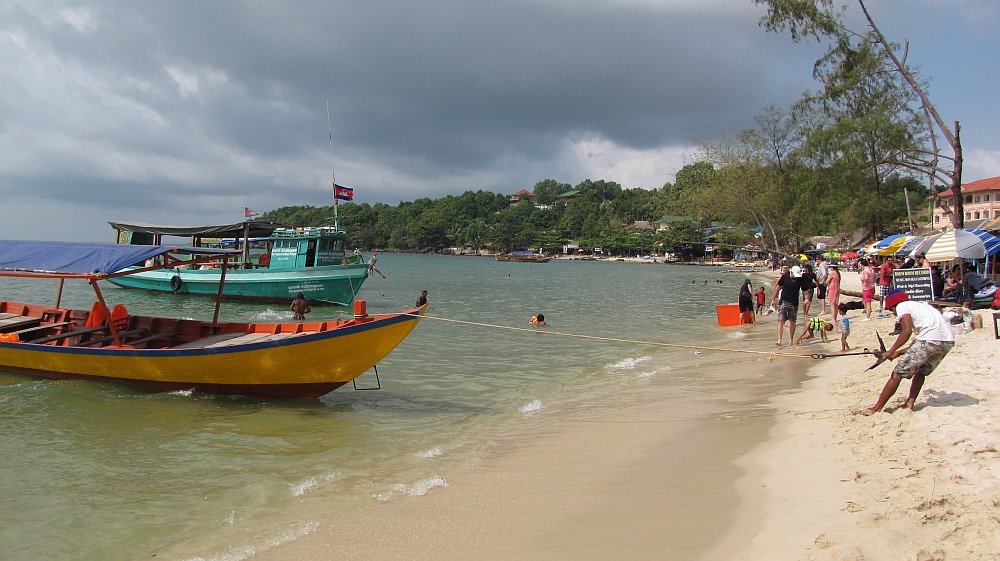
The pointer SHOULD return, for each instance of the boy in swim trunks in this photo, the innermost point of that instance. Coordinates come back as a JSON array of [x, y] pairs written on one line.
[[933, 341]]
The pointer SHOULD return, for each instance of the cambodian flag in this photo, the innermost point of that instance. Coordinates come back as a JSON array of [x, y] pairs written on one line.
[[249, 213], [343, 193]]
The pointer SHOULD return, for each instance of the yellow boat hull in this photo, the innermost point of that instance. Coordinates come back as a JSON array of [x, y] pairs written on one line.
[[297, 366]]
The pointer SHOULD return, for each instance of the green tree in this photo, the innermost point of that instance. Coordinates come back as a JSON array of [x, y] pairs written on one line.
[[824, 20], [548, 191], [862, 118]]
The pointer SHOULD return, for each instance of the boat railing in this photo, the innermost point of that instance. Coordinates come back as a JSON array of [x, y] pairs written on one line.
[[307, 231]]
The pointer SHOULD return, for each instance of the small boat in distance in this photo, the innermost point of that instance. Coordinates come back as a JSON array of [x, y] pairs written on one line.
[[295, 359], [287, 261], [523, 257]]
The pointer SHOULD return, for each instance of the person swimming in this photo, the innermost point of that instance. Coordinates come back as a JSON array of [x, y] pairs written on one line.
[[538, 320]]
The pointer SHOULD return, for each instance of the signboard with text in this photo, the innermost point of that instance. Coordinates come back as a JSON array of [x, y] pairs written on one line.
[[916, 283]]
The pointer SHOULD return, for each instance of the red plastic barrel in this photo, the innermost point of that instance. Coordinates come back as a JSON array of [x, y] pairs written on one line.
[[728, 314]]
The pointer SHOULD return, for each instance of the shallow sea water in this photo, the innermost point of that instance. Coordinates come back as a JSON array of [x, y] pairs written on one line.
[[103, 471]]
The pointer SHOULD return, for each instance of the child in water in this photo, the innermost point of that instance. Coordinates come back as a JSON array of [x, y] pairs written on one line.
[[815, 324], [299, 306], [845, 328]]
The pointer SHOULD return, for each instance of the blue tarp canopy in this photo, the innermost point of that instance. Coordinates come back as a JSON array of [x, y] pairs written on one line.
[[84, 258]]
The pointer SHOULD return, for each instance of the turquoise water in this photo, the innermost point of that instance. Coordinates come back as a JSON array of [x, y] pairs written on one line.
[[101, 471]]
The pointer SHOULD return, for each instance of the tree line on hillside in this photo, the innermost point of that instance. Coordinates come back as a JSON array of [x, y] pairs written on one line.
[[603, 214]]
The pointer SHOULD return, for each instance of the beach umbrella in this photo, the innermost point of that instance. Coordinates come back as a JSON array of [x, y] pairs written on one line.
[[892, 247], [848, 255], [885, 242], [991, 242], [926, 244], [955, 244], [911, 244]]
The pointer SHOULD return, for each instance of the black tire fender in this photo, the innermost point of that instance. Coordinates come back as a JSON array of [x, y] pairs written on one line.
[[175, 283]]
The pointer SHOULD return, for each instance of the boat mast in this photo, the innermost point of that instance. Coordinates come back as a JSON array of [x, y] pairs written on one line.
[[333, 172]]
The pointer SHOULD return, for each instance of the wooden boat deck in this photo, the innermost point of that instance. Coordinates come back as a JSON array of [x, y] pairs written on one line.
[[229, 339], [14, 322]]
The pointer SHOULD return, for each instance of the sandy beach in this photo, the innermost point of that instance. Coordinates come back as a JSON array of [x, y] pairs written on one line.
[[822, 483], [832, 484]]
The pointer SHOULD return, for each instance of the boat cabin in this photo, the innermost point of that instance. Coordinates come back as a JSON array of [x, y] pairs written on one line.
[[261, 244], [295, 248]]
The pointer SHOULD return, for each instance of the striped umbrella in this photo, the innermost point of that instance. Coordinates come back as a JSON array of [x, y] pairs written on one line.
[[955, 244], [925, 245], [991, 242]]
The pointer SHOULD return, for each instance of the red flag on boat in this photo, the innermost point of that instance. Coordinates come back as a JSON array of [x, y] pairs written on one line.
[[343, 193], [250, 213]]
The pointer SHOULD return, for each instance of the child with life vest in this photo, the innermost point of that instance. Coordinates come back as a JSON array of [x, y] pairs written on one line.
[[815, 324]]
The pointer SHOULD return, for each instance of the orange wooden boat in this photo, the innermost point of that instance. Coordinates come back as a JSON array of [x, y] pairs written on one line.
[[279, 360]]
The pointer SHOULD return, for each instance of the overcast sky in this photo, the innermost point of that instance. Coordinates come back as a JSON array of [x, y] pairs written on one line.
[[184, 112]]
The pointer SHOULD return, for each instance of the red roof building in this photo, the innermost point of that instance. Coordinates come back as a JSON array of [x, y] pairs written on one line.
[[522, 195], [981, 201]]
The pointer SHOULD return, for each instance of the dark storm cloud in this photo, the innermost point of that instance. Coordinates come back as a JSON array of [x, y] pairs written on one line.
[[455, 84], [170, 111]]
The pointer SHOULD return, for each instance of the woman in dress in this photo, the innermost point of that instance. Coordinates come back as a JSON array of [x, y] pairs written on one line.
[[833, 291]]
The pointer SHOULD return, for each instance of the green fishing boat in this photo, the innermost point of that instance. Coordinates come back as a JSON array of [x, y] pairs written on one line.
[[275, 264]]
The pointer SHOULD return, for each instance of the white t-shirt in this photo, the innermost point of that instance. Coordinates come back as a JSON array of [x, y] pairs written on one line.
[[929, 324], [822, 271]]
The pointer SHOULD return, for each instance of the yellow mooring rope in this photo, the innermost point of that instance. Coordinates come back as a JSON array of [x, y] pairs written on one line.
[[771, 355]]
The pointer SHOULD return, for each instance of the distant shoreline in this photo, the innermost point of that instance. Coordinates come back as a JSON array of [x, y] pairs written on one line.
[[755, 266]]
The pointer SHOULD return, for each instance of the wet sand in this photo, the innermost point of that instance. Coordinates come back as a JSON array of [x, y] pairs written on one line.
[[655, 480], [779, 465]]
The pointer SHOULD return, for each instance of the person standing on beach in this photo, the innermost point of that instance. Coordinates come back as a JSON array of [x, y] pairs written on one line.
[[833, 291], [933, 341], [845, 328], [808, 284], [787, 289], [822, 275], [885, 282], [867, 287]]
